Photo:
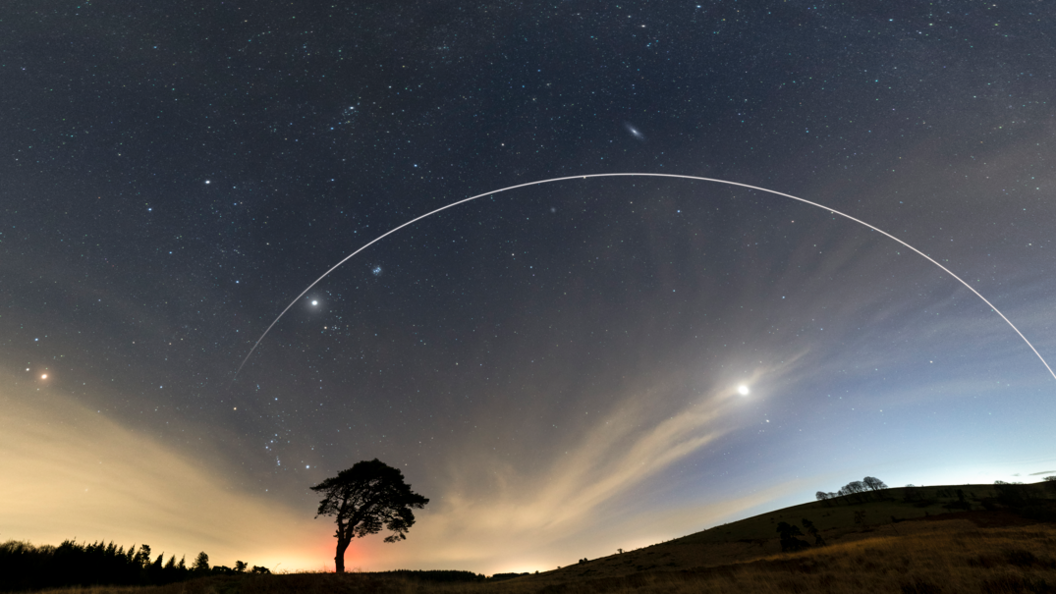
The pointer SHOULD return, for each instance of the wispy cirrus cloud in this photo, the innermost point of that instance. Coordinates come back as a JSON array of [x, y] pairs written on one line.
[[496, 516]]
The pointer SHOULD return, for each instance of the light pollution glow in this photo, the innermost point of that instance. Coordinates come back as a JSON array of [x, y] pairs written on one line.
[[73, 473]]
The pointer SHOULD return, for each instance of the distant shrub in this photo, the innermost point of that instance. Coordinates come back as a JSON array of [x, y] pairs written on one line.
[[789, 542]]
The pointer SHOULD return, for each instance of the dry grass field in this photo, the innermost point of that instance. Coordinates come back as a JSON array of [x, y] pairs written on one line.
[[930, 549]]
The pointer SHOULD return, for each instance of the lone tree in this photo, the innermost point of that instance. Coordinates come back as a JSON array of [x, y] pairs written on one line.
[[873, 483], [201, 563], [365, 498], [823, 497]]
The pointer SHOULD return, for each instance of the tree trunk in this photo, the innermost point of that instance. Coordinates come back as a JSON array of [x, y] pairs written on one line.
[[339, 559]]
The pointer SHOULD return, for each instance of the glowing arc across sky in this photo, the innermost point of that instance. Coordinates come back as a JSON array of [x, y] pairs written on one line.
[[667, 175]]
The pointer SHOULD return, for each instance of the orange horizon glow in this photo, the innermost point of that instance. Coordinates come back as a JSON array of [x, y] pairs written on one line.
[[75, 473], [112, 483]]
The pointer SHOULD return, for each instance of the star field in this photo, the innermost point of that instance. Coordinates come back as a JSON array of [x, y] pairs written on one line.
[[563, 369]]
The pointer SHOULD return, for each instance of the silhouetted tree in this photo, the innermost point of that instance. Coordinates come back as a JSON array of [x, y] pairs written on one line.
[[1050, 482], [169, 573], [240, 566], [788, 533], [143, 556], [813, 530], [81, 565], [260, 569], [855, 487], [201, 563], [365, 498], [854, 490], [823, 497], [873, 483], [130, 554], [154, 572]]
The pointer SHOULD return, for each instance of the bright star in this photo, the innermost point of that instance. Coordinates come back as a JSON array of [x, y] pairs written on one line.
[[742, 390], [314, 302]]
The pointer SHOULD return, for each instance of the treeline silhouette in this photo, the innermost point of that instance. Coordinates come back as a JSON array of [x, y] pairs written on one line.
[[446, 575], [857, 491], [27, 567], [434, 575]]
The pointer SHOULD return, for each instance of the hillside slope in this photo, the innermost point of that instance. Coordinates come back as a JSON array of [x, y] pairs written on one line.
[[901, 511]]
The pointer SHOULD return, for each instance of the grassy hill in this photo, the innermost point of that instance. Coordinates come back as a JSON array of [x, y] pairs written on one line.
[[962, 538]]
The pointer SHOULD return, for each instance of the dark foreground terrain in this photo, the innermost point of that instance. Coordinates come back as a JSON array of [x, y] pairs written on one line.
[[956, 539]]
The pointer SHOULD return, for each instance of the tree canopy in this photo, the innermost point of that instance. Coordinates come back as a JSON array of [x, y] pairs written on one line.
[[857, 490], [364, 499], [874, 483], [25, 567]]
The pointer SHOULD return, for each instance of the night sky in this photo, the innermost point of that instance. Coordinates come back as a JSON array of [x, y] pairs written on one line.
[[556, 367]]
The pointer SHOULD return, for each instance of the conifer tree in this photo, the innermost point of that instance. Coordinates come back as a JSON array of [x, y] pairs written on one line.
[[201, 563]]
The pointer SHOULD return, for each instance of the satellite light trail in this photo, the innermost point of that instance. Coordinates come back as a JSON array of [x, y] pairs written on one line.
[[660, 175]]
